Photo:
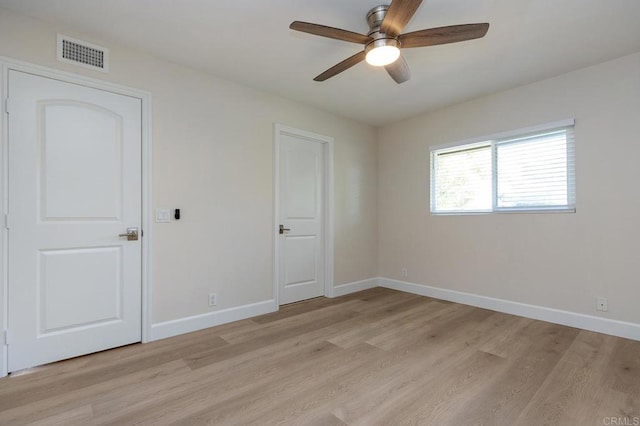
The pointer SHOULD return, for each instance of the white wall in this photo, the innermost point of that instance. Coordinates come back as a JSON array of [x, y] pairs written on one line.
[[212, 158], [560, 261]]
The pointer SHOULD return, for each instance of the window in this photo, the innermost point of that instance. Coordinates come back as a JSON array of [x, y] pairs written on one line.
[[528, 170]]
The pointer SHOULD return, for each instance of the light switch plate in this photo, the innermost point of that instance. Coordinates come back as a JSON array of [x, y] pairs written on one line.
[[163, 215]]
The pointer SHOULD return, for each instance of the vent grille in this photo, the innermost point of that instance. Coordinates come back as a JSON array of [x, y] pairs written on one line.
[[79, 53], [82, 53]]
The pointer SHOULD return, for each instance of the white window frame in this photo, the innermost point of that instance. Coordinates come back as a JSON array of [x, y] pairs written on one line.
[[493, 141]]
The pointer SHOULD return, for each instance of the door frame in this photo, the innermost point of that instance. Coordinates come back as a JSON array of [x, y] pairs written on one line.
[[7, 64], [328, 193]]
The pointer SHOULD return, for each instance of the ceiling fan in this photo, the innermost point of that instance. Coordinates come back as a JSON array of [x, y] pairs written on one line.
[[384, 39]]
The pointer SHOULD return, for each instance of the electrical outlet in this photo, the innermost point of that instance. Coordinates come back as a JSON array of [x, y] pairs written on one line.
[[213, 299], [404, 272], [601, 304]]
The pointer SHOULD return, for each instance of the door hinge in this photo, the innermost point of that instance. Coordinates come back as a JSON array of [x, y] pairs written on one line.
[[6, 105], [6, 221], [6, 337]]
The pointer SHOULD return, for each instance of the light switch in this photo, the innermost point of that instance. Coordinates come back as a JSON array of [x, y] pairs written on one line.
[[163, 215]]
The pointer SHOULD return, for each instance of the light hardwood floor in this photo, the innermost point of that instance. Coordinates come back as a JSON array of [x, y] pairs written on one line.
[[369, 358]]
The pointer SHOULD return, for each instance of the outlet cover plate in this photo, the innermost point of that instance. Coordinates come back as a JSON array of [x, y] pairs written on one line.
[[601, 304]]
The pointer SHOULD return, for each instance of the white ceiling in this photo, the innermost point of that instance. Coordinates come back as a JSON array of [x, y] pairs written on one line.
[[248, 41]]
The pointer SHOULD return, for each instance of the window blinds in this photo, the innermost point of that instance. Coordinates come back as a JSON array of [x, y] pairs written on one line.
[[535, 171], [526, 172]]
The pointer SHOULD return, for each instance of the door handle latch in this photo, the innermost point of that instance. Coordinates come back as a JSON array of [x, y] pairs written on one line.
[[283, 229], [132, 234]]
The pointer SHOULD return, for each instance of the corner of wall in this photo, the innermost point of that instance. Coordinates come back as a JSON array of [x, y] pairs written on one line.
[[378, 142], [344, 289]]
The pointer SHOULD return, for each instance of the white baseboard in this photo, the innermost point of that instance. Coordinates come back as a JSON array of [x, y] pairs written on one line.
[[587, 322], [342, 289], [172, 328]]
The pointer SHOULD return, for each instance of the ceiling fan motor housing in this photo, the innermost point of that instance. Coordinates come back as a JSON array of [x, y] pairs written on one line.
[[380, 42], [374, 18]]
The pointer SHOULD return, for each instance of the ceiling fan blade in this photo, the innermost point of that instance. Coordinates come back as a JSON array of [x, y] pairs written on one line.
[[342, 66], [443, 35], [335, 33], [399, 70], [399, 14]]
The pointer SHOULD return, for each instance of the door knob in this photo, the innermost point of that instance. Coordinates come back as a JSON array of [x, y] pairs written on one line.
[[132, 234], [283, 229]]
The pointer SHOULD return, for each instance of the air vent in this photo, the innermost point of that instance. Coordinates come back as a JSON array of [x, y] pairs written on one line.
[[82, 53]]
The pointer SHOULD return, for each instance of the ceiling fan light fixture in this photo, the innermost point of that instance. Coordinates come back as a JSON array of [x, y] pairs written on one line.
[[385, 38], [382, 52]]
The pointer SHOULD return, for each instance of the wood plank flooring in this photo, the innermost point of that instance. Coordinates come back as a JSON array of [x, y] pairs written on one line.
[[378, 357]]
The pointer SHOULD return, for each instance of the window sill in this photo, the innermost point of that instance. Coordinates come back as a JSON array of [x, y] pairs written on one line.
[[504, 211]]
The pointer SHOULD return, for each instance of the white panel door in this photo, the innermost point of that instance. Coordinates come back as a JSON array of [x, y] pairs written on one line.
[[74, 186], [301, 212]]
